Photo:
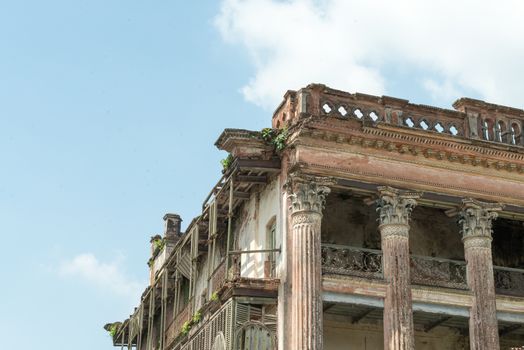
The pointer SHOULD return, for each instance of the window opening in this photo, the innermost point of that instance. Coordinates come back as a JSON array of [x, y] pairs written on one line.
[[326, 108], [343, 112], [409, 122], [358, 113], [514, 134], [373, 116], [486, 130]]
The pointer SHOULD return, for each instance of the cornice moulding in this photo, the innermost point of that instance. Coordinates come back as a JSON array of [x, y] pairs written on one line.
[[417, 143]]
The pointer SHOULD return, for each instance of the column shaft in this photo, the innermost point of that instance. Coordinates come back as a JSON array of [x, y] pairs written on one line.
[[307, 281], [398, 314], [483, 325], [307, 201], [476, 220], [394, 207]]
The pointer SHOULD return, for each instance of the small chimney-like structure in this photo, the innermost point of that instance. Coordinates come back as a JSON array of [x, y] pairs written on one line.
[[172, 227], [152, 241]]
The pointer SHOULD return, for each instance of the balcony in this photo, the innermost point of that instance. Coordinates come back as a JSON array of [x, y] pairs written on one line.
[[509, 281], [436, 272], [174, 328], [351, 261], [218, 277], [426, 271]]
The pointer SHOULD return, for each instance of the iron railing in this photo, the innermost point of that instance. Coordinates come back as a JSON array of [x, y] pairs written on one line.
[[424, 270], [438, 272], [345, 260], [509, 281]]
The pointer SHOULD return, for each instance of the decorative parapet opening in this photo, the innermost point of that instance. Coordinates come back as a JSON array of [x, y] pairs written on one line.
[[471, 119]]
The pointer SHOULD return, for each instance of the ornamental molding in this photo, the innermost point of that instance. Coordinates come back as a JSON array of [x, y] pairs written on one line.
[[455, 165], [442, 148], [306, 217], [395, 206], [373, 176], [398, 231], [475, 220]]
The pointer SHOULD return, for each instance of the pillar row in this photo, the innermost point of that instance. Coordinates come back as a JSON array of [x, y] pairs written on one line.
[[394, 207], [475, 222], [307, 197]]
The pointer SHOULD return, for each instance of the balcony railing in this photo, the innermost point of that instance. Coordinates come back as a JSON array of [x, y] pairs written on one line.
[[425, 270], [218, 276], [345, 260], [175, 327], [509, 281], [438, 272]]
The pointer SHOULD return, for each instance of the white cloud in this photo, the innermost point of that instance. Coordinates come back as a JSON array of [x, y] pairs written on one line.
[[108, 277], [347, 44], [445, 90]]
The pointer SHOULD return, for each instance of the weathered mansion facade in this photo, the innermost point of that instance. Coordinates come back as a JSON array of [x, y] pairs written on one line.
[[355, 222]]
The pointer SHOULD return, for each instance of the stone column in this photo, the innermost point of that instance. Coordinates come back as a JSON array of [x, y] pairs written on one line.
[[394, 207], [307, 197], [475, 224]]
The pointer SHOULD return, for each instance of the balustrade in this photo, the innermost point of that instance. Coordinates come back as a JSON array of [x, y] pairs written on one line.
[[344, 260], [509, 281], [436, 272], [218, 277], [482, 120], [175, 327], [425, 270], [437, 122]]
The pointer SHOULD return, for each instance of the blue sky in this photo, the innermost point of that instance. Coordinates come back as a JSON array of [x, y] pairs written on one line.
[[109, 111]]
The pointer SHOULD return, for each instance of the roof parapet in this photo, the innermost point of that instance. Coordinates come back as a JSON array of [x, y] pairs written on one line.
[[466, 104], [471, 118]]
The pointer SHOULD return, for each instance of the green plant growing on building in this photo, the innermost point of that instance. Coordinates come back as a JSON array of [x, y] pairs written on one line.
[[197, 317], [186, 327], [112, 330], [158, 244], [275, 137], [214, 296], [227, 162]]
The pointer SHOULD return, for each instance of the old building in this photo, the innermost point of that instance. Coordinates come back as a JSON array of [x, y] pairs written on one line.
[[356, 222]]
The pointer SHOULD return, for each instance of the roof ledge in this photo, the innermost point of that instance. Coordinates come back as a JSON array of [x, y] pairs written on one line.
[[243, 143], [466, 104]]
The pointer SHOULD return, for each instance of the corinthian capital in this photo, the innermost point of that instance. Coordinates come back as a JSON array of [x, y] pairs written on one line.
[[308, 193], [395, 206], [476, 218]]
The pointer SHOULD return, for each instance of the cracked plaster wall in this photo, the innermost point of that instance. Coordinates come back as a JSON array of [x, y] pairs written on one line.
[[254, 219]]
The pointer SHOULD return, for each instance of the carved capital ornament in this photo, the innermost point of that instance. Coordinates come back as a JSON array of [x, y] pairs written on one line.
[[395, 206], [307, 193], [475, 220]]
